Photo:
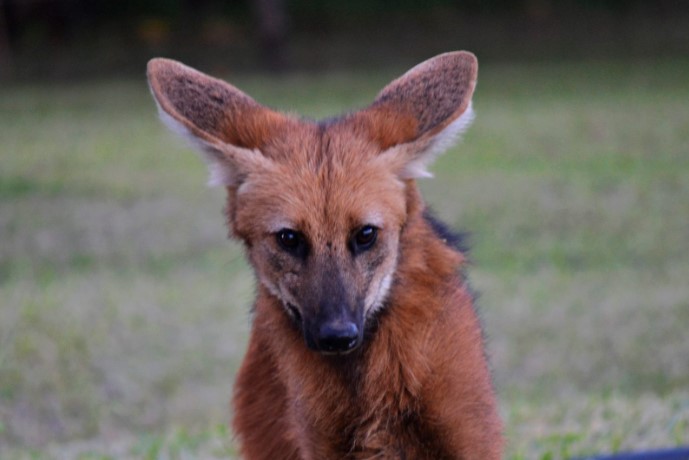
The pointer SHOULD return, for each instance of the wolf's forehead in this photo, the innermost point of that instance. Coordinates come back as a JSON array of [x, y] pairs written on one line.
[[325, 178], [333, 199], [319, 145]]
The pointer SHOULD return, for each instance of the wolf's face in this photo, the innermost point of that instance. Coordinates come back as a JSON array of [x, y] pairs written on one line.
[[321, 206], [322, 227]]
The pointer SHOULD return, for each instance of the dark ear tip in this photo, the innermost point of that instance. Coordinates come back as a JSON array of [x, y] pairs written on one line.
[[470, 58], [467, 55], [157, 65], [153, 64], [463, 55], [465, 59]]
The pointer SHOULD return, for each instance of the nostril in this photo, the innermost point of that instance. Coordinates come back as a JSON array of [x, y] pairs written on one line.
[[338, 337]]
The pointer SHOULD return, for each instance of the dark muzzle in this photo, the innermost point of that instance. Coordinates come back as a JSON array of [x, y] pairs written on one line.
[[337, 337]]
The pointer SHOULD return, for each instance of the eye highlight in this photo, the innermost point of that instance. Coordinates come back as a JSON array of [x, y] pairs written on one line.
[[364, 238], [292, 241]]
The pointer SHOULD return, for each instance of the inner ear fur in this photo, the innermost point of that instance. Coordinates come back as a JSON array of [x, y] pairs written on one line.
[[212, 110], [423, 102]]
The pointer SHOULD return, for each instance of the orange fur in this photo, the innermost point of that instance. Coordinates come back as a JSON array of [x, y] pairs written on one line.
[[413, 382]]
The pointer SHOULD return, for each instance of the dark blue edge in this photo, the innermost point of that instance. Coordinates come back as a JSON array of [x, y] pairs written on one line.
[[679, 453]]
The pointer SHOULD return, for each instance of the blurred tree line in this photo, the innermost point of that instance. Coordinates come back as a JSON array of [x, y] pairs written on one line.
[[115, 32]]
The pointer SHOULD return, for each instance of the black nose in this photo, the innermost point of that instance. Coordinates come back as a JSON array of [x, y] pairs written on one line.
[[338, 337]]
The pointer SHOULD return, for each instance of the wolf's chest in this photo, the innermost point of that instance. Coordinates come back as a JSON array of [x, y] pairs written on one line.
[[398, 436]]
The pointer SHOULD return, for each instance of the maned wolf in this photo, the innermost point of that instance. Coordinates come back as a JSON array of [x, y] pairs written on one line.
[[364, 342]]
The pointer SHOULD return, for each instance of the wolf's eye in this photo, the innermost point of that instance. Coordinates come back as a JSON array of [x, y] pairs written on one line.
[[289, 239], [364, 238]]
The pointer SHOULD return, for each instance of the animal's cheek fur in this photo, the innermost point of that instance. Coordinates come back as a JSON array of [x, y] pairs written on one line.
[[271, 264], [380, 267], [289, 285]]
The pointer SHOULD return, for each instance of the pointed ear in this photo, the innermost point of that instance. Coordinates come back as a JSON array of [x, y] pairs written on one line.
[[225, 124], [421, 114]]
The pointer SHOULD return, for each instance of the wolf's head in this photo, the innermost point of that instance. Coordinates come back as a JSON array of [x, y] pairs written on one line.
[[320, 206]]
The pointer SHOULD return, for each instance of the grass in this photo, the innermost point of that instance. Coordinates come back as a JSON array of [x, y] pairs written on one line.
[[124, 309]]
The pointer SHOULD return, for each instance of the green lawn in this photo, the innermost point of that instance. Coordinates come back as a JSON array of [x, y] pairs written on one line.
[[124, 309]]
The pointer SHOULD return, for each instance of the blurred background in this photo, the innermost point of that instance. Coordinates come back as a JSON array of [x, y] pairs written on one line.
[[124, 308], [78, 38]]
